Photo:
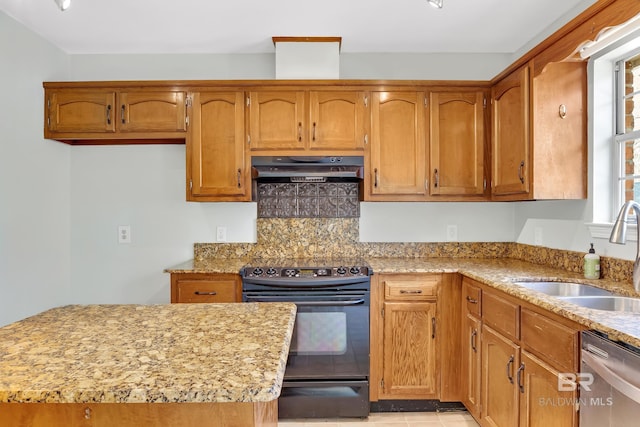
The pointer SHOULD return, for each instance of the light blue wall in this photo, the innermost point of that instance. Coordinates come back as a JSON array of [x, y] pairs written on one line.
[[34, 179]]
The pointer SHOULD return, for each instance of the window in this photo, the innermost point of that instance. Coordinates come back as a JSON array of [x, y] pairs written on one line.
[[627, 129]]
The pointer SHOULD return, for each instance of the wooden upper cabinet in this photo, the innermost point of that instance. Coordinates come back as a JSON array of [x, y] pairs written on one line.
[[337, 120], [510, 134], [92, 115], [307, 120], [277, 120], [398, 152], [457, 139], [215, 148], [151, 111], [559, 128], [80, 111], [540, 133]]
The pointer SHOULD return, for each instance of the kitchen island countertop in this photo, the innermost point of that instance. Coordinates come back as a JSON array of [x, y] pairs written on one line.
[[178, 353]]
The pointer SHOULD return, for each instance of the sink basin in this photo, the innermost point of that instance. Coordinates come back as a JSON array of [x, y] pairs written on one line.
[[562, 289], [608, 303]]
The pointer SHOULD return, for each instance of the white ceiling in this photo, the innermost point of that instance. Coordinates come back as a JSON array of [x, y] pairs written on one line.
[[246, 26]]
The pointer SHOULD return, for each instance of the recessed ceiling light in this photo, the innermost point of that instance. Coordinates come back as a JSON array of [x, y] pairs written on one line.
[[436, 3], [63, 4]]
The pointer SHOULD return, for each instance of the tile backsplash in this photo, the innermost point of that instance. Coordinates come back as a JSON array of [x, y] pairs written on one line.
[[308, 200]]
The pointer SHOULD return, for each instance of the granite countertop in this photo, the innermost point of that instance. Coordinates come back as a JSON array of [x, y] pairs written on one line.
[[499, 273], [170, 353]]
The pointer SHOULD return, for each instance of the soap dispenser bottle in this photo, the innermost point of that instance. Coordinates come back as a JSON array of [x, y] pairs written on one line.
[[592, 264]]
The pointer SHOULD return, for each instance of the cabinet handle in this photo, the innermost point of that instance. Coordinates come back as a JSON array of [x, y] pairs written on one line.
[[314, 131], [520, 170], [474, 334], [239, 178], [471, 300], [375, 177], [510, 369], [205, 293], [520, 378], [433, 328], [122, 110], [413, 291], [109, 114], [87, 413], [299, 131], [562, 111], [436, 178]]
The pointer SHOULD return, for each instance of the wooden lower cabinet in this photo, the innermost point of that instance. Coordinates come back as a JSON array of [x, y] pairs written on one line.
[[541, 403], [500, 362], [523, 351], [404, 362], [227, 414], [205, 288], [472, 363], [409, 356]]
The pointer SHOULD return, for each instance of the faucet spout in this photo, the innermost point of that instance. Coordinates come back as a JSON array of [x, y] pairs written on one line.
[[619, 235]]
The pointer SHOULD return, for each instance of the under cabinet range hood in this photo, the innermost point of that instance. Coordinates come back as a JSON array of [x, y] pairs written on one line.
[[307, 168]]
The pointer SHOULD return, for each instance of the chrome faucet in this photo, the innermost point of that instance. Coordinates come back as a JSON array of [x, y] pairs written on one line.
[[619, 235]]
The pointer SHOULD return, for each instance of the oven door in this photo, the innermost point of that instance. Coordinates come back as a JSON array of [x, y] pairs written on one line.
[[331, 334]]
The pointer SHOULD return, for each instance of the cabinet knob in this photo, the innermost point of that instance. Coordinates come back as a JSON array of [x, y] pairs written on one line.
[[562, 111]]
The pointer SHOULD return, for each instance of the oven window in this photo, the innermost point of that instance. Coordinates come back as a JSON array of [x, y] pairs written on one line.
[[320, 333]]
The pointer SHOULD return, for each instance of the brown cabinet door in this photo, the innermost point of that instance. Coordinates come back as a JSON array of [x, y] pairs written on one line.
[[457, 143], [156, 111], [510, 134], [500, 394], [80, 111], [337, 120], [398, 144], [409, 355], [215, 147], [541, 403], [559, 98], [471, 364], [277, 120]]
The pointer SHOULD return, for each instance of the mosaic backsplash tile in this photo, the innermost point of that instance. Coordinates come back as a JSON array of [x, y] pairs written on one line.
[[308, 200]]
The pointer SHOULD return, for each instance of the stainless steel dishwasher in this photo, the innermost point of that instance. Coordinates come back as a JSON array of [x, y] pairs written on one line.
[[609, 382]]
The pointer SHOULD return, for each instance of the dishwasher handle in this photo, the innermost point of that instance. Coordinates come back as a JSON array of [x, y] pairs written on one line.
[[611, 377]]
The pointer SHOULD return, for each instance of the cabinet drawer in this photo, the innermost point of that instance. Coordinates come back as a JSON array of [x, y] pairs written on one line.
[[472, 298], [423, 289], [501, 315], [555, 342], [206, 291]]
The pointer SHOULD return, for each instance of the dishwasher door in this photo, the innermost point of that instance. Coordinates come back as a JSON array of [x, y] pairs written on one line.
[[609, 383]]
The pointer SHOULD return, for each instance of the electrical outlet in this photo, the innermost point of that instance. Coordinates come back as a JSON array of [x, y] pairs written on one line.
[[452, 233], [124, 234], [221, 234], [537, 236]]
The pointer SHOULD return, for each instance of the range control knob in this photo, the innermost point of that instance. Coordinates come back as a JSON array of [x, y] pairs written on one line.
[[257, 271], [341, 271], [290, 272], [271, 271], [354, 270]]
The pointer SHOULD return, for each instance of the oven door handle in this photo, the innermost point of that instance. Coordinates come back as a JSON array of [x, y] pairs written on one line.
[[358, 301], [611, 377]]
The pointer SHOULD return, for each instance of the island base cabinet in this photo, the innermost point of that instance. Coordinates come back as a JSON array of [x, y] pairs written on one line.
[[228, 414]]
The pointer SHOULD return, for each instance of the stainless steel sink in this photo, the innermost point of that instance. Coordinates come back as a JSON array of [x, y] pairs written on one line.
[[607, 303], [568, 289]]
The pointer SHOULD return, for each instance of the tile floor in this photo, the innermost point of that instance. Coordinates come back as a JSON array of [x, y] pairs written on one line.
[[391, 419]]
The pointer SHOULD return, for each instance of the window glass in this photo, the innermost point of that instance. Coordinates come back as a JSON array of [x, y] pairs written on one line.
[[628, 128]]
